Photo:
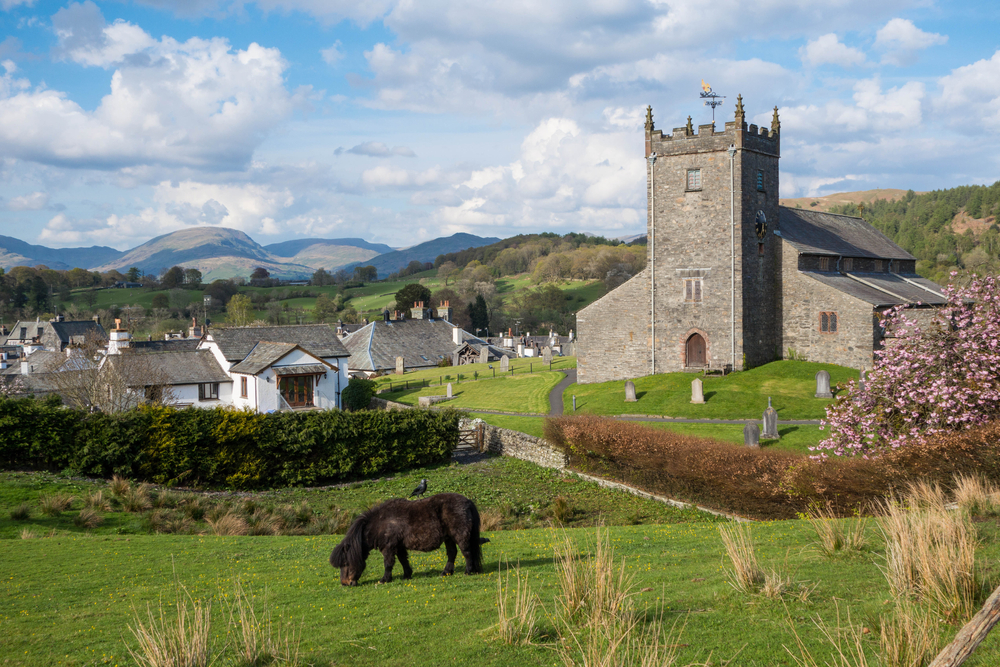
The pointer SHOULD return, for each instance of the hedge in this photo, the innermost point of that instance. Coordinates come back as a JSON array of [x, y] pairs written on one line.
[[222, 447]]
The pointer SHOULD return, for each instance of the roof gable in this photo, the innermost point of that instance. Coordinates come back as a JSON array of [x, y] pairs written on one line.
[[816, 232], [268, 353], [236, 343]]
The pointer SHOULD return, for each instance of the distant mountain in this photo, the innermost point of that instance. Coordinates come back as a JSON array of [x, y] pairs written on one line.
[[425, 252], [215, 251], [329, 254], [15, 252]]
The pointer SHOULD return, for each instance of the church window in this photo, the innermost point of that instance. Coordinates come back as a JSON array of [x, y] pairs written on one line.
[[694, 179], [828, 322], [692, 290], [824, 263], [847, 264], [760, 181]]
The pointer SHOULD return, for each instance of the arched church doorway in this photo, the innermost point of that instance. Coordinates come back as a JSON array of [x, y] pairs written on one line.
[[695, 355]]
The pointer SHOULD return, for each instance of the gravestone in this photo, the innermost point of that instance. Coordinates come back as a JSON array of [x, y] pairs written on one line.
[[823, 385], [697, 395], [547, 355], [484, 355], [770, 422], [751, 435], [504, 363], [520, 350], [399, 365], [449, 394], [630, 392]]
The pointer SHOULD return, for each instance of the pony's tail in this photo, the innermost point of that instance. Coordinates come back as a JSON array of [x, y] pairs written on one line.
[[476, 543]]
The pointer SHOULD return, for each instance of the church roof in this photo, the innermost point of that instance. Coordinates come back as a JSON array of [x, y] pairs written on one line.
[[882, 289], [819, 233]]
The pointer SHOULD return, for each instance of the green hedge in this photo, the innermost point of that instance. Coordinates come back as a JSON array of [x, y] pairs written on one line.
[[223, 447]]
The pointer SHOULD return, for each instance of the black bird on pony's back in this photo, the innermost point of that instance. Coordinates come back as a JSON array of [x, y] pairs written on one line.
[[420, 490]]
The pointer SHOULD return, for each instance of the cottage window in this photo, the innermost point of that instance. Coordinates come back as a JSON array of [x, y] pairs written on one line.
[[828, 322], [879, 265], [824, 263], [208, 391], [243, 387], [692, 290], [847, 264], [694, 179], [760, 181], [24, 333]]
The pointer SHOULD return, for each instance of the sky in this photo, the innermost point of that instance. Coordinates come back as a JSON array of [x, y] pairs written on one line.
[[399, 121]]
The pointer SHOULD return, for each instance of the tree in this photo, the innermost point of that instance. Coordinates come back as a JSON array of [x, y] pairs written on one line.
[[365, 274], [928, 380], [260, 273], [239, 310], [160, 300], [133, 274], [321, 277], [174, 277], [325, 308], [221, 292], [357, 395], [410, 294], [478, 313], [192, 277]]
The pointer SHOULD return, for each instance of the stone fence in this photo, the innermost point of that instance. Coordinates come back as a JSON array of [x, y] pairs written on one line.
[[518, 445]]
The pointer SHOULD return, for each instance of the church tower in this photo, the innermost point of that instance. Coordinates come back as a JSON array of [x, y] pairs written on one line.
[[710, 294]]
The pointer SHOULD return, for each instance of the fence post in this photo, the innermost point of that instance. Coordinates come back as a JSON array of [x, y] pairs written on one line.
[[407, 385]]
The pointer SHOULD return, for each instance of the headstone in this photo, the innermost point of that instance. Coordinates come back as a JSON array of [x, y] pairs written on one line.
[[630, 392], [399, 365], [574, 402], [751, 435], [520, 350], [697, 395], [547, 355], [861, 381], [504, 363], [484, 355], [449, 395], [770, 422], [823, 385]]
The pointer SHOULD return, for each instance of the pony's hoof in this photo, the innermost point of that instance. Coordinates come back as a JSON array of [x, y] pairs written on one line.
[[446, 573]]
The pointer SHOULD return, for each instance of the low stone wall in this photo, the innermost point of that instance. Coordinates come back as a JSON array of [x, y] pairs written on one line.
[[518, 445], [428, 401], [382, 404]]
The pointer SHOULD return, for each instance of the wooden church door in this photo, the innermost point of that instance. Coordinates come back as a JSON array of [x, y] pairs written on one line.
[[695, 351]]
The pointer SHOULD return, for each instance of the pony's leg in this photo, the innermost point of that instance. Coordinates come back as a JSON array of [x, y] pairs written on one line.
[[404, 560], [389, 556], [467, 555], [452, 550]]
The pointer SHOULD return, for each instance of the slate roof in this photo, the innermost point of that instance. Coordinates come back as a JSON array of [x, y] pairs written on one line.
[[67, 330], [881, 289], [263, 355], [819, 233], [42, 361], [183, 367], [171, 345], [420, 343], [319, 339]]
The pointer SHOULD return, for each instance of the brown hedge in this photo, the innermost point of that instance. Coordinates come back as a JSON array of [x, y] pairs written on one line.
[[763, 483]]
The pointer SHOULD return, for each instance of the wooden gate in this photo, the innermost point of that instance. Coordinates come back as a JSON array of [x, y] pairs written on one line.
[[472, 438]]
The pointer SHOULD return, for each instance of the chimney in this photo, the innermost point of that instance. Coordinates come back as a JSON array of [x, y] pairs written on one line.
[[456, 335], [418, 310], [385, 316], [119, 339], [25, 367], [444, 311]]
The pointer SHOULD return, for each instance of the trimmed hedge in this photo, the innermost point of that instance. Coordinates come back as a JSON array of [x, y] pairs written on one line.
[[762, 483], [223, 447]]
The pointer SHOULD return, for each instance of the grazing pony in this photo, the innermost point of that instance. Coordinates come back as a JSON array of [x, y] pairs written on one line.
[[398, 525]]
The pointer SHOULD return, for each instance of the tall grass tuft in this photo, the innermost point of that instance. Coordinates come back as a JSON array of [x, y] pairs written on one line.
[[262, 523], [88, 518], [21, 513], [561, 509], [930, 555], [27, 534], [228, 524], [517, 609], [119, 486], [836, 537], [255, 638], [910, 636], [55, 505], [746, 574], [976, 496], [183, 641], [595, 591], [846, 640], [136, 499], [97, 501]]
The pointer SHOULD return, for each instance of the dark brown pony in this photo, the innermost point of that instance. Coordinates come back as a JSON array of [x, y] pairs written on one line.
[[398, 525]]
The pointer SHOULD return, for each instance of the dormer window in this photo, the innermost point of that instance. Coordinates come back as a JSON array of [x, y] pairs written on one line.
[[693, 179]]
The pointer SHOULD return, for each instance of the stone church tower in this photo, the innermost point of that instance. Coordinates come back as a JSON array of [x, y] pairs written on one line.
[[710, 295]]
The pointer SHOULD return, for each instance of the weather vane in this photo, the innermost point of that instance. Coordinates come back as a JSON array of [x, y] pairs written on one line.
[[711, 99]]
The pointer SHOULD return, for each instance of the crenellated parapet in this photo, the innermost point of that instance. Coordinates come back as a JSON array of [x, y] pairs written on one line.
[[707, 138]]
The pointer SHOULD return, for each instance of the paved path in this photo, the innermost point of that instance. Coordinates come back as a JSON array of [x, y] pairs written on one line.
[[556, 395]]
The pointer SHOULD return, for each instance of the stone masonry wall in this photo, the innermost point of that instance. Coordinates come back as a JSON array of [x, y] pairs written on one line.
[[804, 299], [519, 445], [613, 334]]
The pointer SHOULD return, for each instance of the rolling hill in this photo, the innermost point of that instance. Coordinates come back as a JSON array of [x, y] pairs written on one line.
[[329, 254], [426, 252], [15, 252]]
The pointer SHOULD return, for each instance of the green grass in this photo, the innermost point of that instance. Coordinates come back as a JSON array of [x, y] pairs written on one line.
[[68, 600], [437, 374], [520, 393], [531, 425], [790, 384]]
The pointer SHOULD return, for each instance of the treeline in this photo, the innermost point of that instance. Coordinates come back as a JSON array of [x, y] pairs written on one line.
[[922, 225]]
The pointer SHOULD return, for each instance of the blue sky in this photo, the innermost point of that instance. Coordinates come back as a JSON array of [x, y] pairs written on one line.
[[402, 120]]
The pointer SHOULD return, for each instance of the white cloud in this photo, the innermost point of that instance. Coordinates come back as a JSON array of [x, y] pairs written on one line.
[[332, 54], [901, 40], [7, 5], [972, 93], [896, 109], [378, 149], [32, 202], [85, 38], [197, 103], [388, 177], [828, 50]]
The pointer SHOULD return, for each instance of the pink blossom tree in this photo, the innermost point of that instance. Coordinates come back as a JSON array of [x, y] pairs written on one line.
[[926, 381]]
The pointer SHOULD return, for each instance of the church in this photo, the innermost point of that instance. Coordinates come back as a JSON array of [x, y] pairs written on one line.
[[733, 280]]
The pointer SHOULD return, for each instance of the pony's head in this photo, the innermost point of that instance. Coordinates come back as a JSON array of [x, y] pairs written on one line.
[[351, 554]]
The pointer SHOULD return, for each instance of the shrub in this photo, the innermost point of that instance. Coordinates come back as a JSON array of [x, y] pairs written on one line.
[[358, 394]]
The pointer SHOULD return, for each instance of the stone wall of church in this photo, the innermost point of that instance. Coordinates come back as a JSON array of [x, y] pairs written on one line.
[[803, 301], [613, 334]]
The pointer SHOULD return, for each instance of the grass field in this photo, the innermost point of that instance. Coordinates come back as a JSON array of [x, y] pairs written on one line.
[[69, 600], [518, 393], [436, 375], [790, 384]]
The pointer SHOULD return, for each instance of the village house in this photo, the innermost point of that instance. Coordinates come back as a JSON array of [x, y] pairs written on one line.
[[733, 280]]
